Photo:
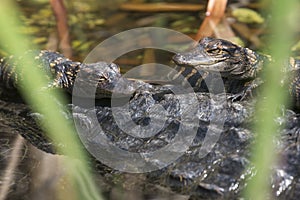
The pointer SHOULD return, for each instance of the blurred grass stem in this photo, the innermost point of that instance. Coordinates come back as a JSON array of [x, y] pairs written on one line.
[[54, 122], [264, 156]]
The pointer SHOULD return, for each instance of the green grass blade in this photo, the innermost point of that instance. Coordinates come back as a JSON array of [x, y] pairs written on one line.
[[268, 108], [17, 44]]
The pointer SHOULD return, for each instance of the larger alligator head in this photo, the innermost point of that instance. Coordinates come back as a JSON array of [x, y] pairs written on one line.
[[217, 55]]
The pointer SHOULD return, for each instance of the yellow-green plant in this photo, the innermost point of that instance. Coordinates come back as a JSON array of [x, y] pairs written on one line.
[[272, 96], [16, 44]]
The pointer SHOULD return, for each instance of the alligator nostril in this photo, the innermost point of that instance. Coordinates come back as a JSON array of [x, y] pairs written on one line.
[[179, 59]]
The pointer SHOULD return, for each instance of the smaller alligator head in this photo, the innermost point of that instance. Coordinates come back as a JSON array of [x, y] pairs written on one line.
[[217, 55], [101, 79]]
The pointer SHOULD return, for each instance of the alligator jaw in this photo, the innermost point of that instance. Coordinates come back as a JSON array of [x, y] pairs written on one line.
[[181, 59]]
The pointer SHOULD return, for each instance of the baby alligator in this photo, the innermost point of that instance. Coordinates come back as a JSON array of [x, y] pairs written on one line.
[[234, 62], [62, 73]]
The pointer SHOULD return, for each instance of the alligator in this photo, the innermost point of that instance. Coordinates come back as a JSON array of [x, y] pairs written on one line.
[[235, 63], [221, 174], [61, 73]]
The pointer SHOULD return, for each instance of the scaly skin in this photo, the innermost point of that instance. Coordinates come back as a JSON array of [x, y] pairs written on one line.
[[217, 55], [234, 62], [62, 73], [220, 175]]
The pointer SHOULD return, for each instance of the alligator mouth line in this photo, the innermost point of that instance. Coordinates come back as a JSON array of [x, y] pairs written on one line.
[[198, 62]]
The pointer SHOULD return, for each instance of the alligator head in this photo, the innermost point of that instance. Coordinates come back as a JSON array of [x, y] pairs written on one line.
[[217, 55], [102, 80]]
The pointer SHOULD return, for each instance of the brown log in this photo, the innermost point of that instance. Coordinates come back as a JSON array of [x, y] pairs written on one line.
[[161, 7]]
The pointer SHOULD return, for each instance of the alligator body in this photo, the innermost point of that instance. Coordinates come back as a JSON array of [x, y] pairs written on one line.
[[236, 64], [62, 72], [220, 174]]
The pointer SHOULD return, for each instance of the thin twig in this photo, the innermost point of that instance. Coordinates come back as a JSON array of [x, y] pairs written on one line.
[[214, 13], [62, 26], [8, 175]]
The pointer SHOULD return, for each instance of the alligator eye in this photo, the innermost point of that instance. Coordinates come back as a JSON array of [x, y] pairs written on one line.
[[214, 51], [101, 79]]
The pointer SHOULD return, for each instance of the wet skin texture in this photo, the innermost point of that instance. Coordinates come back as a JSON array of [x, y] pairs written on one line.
[[219, 175]]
